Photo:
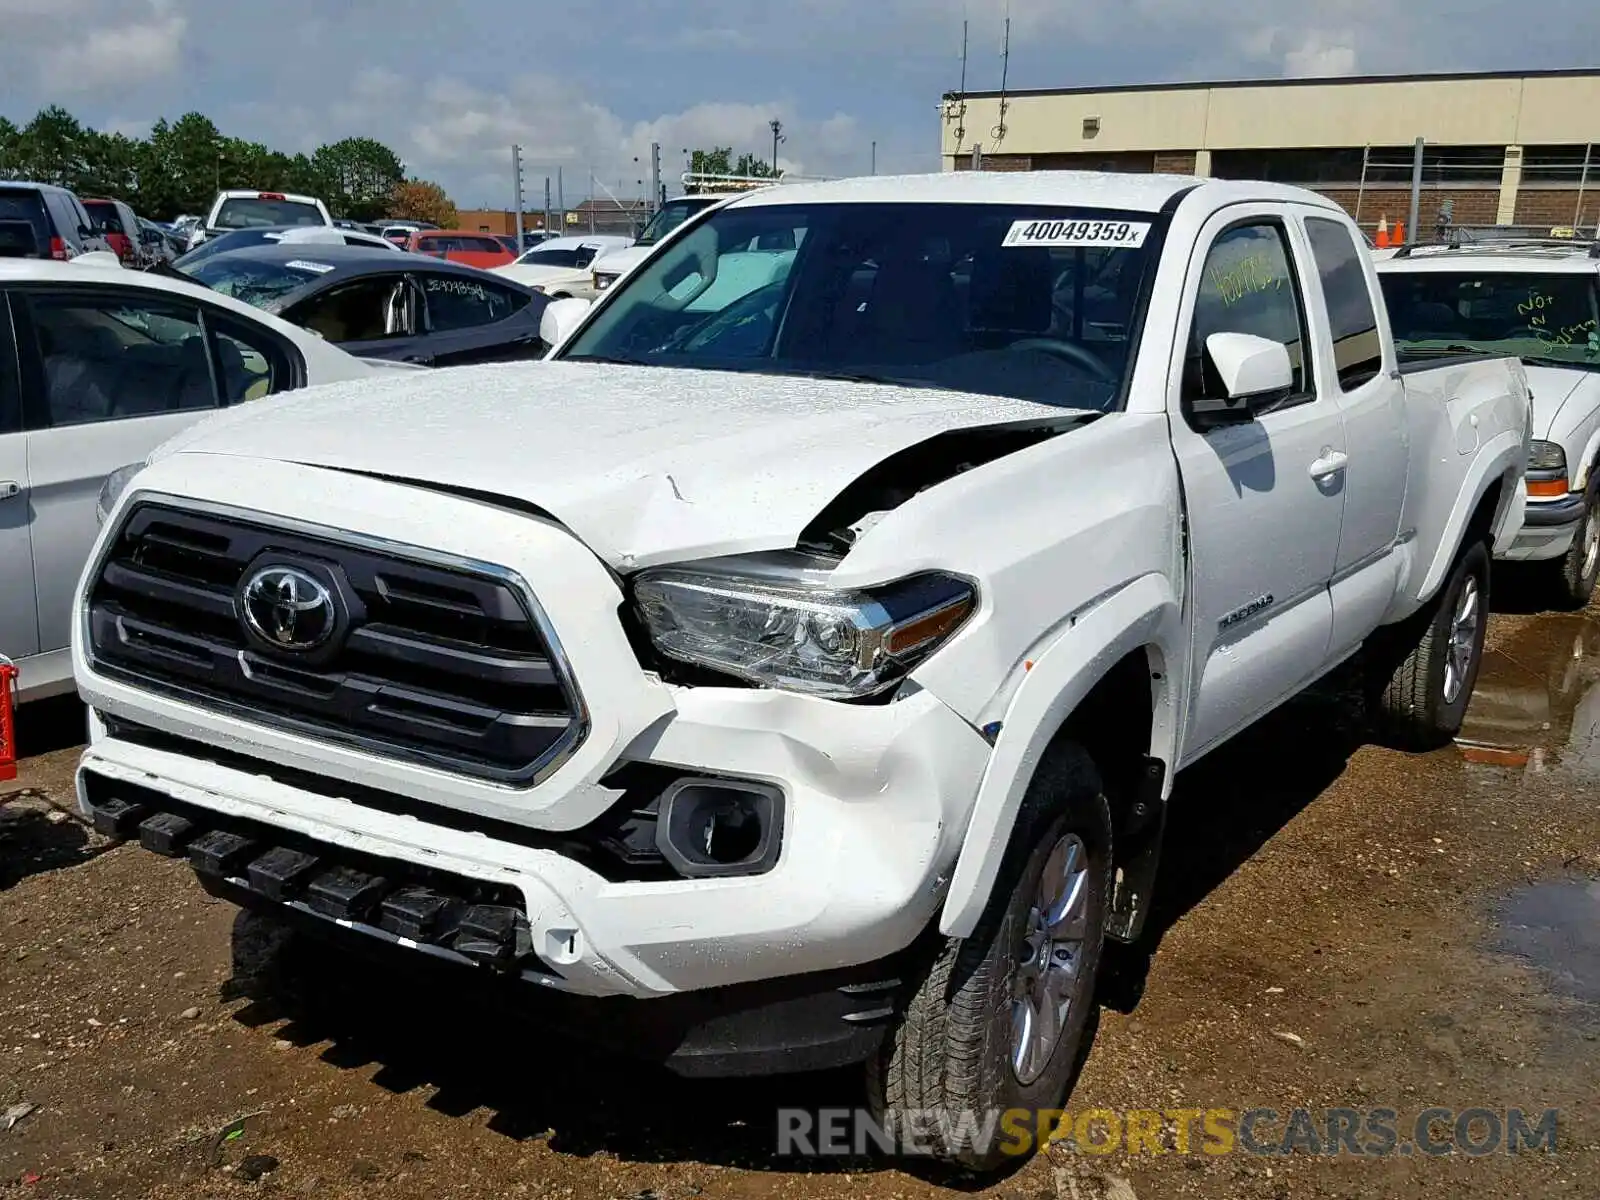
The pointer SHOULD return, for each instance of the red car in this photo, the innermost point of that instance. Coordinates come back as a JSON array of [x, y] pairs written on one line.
[[117, 224], [462, 246]]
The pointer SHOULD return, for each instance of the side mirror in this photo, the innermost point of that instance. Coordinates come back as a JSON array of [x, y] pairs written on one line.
[[560, 319], [1248, 370]]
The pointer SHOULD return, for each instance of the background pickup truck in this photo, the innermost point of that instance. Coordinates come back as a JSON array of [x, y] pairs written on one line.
[[806, 651]]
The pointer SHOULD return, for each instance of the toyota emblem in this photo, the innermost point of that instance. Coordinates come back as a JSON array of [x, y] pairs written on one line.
[[289, 608]]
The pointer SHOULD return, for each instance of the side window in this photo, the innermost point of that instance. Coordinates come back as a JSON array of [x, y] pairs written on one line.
[[250, 363], [460, 302], [365, 310], [1249, 286], [10, 384], [107, 358], [1357, 352]]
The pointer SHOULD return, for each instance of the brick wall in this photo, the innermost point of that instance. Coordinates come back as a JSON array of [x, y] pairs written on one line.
[[1473, 206], [1555, 206], [1174, 162]]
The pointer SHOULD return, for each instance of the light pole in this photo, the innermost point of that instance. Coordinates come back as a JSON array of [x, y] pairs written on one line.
[[777, 136]]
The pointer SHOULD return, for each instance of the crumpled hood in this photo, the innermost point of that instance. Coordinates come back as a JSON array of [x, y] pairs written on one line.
[[1551, 387], [645, 464]]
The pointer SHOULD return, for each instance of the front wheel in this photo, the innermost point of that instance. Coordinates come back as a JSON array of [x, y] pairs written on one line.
[[1426, 667], [998, 1021], [1579, 567]]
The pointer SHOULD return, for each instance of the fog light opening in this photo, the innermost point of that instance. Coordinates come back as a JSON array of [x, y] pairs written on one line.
[[720, 827]]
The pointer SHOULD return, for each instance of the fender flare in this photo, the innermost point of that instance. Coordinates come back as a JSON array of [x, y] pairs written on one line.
[[1505, 462], [1143, 612], [1587, 463]]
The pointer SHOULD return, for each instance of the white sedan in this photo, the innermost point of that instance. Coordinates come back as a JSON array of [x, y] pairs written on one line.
[[560, 267], [113, 363]]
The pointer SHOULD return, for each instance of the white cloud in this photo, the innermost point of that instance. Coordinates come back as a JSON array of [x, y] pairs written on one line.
[[1320, 55], [111, 56]]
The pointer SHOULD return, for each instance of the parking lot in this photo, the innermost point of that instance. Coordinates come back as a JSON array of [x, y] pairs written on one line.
[[1338, 926]]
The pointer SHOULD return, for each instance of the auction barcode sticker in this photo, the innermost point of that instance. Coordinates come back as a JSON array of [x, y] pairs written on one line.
[[1122, 234]]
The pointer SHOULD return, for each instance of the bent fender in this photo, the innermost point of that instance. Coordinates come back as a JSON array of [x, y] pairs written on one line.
[[1144, 612]]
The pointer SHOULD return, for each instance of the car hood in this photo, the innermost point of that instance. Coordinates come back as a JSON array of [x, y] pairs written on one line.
[[645, 464], [530, 275], [1551, 388], [618, 262]]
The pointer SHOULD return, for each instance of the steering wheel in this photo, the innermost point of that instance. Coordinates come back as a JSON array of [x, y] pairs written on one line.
[[1071, 351]]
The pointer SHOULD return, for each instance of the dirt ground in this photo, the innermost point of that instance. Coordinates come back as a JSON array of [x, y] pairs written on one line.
[[1337, 925]]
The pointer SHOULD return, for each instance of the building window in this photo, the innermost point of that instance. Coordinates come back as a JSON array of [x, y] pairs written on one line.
[[1560, 164], [1476, 165]]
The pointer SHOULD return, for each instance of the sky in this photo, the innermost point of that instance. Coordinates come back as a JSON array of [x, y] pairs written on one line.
[[588, 88]]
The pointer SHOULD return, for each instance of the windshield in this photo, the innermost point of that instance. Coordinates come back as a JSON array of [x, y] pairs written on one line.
[[257, 283], [1027, 302], [105, 213], [236, 240], [670, 216], [1547, 317], [577, 256], [250, 212]]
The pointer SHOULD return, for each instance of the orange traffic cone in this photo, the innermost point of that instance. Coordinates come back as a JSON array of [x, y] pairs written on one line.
[[1382, 236], [1399, 233], [8, 713]]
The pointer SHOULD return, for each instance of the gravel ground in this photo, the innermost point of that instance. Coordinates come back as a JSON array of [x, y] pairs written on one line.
[[1337, 925]]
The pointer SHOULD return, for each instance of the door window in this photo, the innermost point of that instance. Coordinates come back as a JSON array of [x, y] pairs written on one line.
[[250, 363], [10, 385], [364, 310], [461, 302], [1357, 351], [1248, 285], [107, 358]]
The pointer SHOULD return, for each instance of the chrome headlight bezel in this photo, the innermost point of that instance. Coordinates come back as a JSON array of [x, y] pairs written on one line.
[[775, 621]]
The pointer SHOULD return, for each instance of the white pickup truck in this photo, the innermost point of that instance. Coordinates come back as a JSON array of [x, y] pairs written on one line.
[[811, 667]]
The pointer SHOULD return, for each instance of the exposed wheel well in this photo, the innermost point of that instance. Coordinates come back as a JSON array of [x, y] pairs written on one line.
[[1113, 724], [1482, 523]]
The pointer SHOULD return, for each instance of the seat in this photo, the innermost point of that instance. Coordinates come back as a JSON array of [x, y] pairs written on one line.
[[1012, 292], [912, 315]]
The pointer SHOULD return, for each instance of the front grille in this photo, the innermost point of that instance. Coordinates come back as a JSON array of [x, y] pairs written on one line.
[[434, 664]]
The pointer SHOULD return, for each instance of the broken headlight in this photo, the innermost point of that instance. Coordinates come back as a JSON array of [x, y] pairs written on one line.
[[774, 621]]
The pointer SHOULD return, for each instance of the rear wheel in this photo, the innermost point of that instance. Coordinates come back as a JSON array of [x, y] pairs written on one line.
[[1426, 667], [998, 1021]]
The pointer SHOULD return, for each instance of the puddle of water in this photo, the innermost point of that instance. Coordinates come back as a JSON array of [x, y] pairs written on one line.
[[1557, 927], [1538, 698]]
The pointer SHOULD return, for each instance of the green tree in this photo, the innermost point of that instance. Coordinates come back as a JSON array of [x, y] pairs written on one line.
[[51, 148], [10, 150], [716, 161], [359, 175], [110, 165], [756, 168]]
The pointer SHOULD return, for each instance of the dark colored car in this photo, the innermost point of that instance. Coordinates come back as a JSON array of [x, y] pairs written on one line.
[[406, 307], [62, 227], [115, 221]]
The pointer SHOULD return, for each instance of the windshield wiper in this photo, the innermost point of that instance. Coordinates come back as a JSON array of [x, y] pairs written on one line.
[[620, 360], [1453, 348], [1545, 360]]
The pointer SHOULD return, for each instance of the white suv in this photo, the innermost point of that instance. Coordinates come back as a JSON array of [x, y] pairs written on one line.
[[1539, 300]]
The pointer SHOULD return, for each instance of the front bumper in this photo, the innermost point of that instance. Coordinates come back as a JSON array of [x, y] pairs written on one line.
[[1548, 528]]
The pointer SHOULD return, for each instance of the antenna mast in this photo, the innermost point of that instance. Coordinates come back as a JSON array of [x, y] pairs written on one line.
[[999, 131]]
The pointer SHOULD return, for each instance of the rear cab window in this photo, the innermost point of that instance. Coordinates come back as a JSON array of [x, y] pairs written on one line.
[[27, 204], [105, 213], [1357, 348], [244, 212]]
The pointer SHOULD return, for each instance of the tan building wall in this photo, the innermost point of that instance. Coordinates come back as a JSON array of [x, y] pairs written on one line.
[[500, 221], [1555, 108]]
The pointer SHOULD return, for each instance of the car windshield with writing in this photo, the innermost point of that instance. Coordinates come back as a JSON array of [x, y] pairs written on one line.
[[245, 212], [254, 281], [1028, 302], [1547, 318]]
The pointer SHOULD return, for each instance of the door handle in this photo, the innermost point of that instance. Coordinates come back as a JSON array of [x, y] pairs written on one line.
[[9, 488], [1329, 464]]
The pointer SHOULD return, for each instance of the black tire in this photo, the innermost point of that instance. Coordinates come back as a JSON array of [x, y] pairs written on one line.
[[1576, 571], [1421, 691], [952, 1050]]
